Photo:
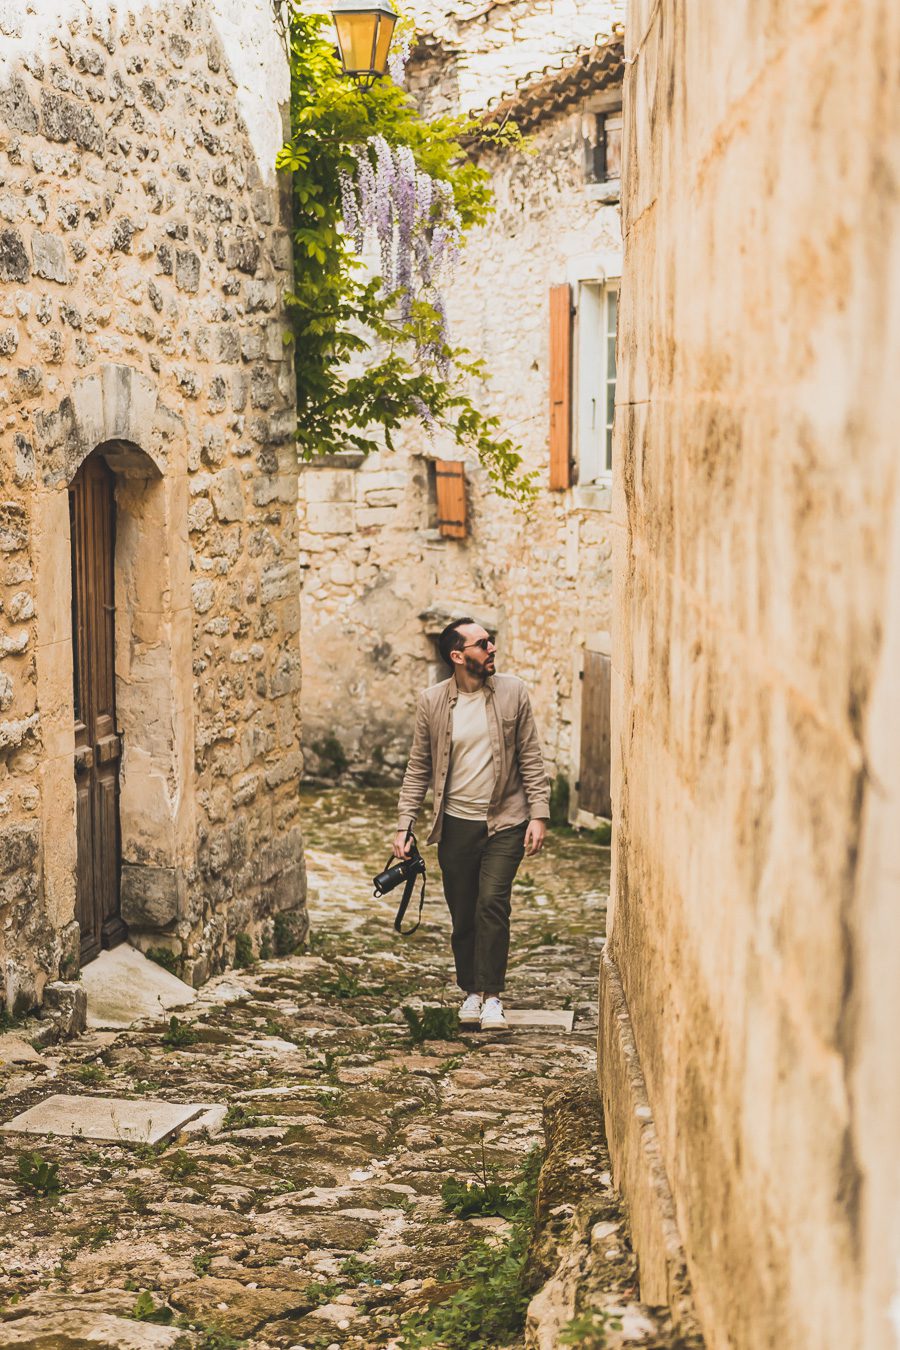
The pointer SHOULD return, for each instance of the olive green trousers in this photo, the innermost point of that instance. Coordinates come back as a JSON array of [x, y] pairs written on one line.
[[478, 871]]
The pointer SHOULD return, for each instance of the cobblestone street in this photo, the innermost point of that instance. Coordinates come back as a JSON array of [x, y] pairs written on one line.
[[314, 1216]]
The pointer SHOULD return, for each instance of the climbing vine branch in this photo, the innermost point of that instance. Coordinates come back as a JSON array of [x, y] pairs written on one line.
[[372, 349]]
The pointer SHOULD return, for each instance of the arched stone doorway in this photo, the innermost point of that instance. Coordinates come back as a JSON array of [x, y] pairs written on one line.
[[114, 663]]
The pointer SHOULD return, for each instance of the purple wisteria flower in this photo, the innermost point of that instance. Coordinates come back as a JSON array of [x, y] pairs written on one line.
[[416, 223]]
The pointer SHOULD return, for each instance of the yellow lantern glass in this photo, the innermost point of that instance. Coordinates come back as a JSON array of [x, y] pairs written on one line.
[[364, 37]]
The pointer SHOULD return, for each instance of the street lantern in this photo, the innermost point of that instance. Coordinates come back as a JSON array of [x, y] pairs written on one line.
[[364, 35]]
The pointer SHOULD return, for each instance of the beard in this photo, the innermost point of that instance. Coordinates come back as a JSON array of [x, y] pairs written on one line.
[[480, 670]]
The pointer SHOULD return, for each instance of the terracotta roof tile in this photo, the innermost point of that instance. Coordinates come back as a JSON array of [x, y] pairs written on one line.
[[585, 72]]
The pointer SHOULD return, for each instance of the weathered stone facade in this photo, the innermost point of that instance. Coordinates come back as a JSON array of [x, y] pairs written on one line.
[[144, 250], [754, 924], [380, 581]]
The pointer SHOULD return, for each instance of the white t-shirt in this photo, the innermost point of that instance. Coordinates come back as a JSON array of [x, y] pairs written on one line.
[[470, 781]]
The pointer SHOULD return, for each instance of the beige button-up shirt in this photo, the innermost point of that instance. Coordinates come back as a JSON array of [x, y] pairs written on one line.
[[521, 786]]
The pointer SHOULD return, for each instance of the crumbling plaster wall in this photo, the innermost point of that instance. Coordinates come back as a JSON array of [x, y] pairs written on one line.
[[371, 560], [144, 252], [755, 923]]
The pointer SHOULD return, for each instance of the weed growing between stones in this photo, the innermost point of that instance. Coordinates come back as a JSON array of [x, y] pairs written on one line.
[[588, 1330], [90, 1074], [36, 1176], [145, 1310], [162, 956], [181, 1165], [488, 1291], [178, 1034], [435, 1024], [240, 1117], [344, 985]]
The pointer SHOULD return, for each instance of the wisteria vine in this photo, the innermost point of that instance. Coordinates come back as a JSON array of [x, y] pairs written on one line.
[[416, 223]]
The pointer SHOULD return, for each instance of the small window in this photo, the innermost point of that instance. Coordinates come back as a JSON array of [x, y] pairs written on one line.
[[603, 147], [597, 316]]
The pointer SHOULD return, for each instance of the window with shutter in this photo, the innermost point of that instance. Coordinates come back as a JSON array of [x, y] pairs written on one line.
[[560, 387], [450, 481]]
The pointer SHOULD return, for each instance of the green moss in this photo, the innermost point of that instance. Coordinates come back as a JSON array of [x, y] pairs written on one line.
[[162, 956], [243, 950], [559, 801], [333, 760]]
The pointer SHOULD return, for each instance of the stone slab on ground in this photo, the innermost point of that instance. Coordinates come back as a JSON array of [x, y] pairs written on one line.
[[555, 1019], [123, 987], [118, 1119], [78, 1330], [13, 1050]]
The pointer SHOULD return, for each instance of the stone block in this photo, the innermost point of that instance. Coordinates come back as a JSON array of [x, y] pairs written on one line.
[[16, 109], [187, 270], [278, 582], [329, 485], [13, 527], [19, 846], [65, 120], [288, 768], [149, 895], [203, 595], [375, 515], [227, 493], [383, 497], [331, 517], [262, 296], [65, 1005], [48, 254], [14, 264]]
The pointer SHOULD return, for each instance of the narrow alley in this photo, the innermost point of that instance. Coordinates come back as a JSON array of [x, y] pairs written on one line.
[[310, 1213]]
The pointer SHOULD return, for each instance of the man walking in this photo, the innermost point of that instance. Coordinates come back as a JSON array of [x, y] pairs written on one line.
[[477, 745]]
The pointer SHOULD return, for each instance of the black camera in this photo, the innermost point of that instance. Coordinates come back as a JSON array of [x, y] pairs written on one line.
[[405, 871]]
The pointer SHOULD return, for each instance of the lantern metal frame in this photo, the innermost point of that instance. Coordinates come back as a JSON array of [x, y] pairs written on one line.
[[365, 76]]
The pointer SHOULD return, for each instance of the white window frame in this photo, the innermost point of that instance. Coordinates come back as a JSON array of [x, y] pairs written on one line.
[[591, 378]]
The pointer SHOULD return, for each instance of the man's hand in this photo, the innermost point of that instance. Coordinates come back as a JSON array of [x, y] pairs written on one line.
[[534, 837], [400, 847]]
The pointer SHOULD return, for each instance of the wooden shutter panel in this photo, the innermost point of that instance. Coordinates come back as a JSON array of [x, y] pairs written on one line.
[[594, 769], [450, 479], [560, 386]]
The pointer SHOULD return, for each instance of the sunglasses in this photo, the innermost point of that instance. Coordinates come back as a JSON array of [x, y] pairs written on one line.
[[483, 643]]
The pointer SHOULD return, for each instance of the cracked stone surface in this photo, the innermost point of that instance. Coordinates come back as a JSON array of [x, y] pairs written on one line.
[[311, 1215]]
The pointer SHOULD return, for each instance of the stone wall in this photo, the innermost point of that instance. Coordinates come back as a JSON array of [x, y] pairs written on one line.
[[755, 923], [143, 254], [379, 581]]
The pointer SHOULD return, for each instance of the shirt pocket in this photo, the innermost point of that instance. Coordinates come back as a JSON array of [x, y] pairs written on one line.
[[509, 725]]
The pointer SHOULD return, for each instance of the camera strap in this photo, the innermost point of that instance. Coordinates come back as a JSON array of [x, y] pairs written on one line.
[[404, 906]]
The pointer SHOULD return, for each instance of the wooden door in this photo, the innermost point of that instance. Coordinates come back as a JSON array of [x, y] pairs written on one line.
[[97, 743], [596, 740]]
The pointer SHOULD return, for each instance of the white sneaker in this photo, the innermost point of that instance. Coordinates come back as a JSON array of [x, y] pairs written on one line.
[[492, 1018], [470, 1012]]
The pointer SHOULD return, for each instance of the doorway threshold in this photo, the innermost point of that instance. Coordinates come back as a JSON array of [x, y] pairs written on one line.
[[123, 987]]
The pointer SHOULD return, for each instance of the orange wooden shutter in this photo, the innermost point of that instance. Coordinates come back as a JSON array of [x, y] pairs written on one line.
[[560, 386], [450, 478]]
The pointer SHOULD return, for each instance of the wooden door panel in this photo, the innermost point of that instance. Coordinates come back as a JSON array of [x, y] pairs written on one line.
[[88, 917], [596, 740], [97, 743]]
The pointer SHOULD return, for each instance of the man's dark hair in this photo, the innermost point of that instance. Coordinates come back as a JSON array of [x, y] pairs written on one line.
[[451, 640]]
